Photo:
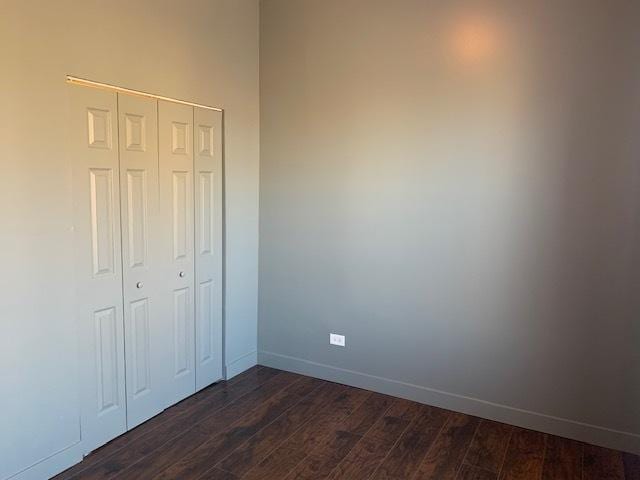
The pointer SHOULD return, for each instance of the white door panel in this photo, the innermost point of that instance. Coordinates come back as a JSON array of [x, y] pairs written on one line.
[[208, 245], [175, 142], [96, 193], [145, 320]]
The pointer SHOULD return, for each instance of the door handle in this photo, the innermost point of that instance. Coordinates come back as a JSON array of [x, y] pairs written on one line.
[[181, 274], [139, 285]]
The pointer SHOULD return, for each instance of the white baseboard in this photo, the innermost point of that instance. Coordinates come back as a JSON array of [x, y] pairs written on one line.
[[606, 437], [240, 364], [51, 466]]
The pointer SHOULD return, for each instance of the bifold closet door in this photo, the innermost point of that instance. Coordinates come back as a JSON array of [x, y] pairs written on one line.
[[175, 144], [146, 321], [94, 152], [147, 182], [208, 245]]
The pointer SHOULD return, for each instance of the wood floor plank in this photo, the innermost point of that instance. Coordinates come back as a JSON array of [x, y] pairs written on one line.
[[448, 451], [525, 456], [489, 445], [217, 474], [368, 414], [405, 457], [404, 409], [562, 459], [275, 434], [181, 445], [469, 472], [209, 399], [337, 444], [253, 374], [267, 424], [285, 458], [631, 466], [602, 464], [319, 463], [140, 446], [372, 449], [205, 457]]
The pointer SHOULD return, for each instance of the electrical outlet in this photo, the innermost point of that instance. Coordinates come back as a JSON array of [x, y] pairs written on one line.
[[335, 339]]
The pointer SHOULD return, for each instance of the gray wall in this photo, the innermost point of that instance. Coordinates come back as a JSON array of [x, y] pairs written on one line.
[[201, 50], [455, 187]]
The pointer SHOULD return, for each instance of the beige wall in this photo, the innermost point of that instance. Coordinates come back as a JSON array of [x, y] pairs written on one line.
[[455, 186], [201, 50]]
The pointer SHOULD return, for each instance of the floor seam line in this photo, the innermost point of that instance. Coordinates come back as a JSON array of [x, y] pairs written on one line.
[[361, 438], [322, 410], [444, 424], [238, 420], [266, 426], [191, 428], [99, 462]]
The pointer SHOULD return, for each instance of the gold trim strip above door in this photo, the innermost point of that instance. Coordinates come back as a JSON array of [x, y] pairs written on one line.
[[106, 86]]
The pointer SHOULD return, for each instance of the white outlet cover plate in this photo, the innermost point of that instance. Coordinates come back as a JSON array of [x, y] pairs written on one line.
[[335, 339]]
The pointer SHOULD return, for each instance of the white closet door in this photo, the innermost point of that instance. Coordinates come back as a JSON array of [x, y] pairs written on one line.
[[175, 123], [96, 194], [146, 323], [207, 143]]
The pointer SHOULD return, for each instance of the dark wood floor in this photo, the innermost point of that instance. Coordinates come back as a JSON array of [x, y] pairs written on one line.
[[268, 424]]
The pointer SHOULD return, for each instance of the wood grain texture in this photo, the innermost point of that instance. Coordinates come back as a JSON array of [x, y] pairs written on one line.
[[602, 464], [273, 425], [320, 462], [176, 448], [217, 474], [562, 459], [264, 442], [127, 449], [338, 443], [445, 458], [286, 457], [469, 472], [211, 452], [404, 458], [373, 448], [525, 456], [367, 414], [489, 445]]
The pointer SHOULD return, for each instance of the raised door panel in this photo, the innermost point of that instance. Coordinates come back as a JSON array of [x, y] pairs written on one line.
[[107, 377], [180, 214], [100, 127], [139, 367], [205, 325], [180, 138], [181, 335], [102, 227], [93, 150], [135, 128], [206, 212], [208, 245], [145, 318], [137, 217], [175, 145]]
